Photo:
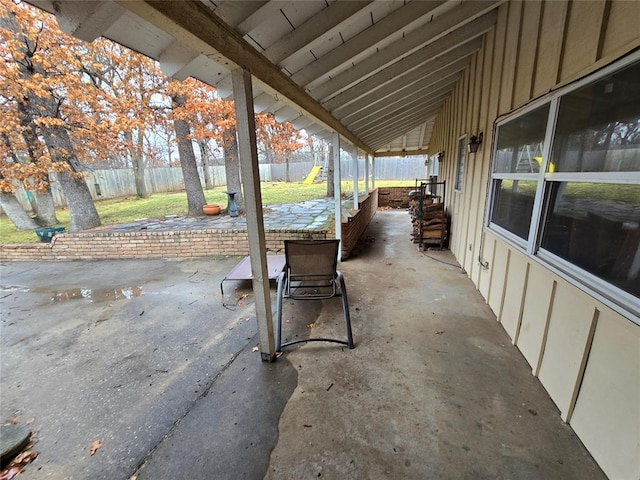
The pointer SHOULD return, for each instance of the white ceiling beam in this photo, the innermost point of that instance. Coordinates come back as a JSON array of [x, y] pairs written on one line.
[[382, 139], [320, 24], [434, 30], [400, 109], [234, 12], [399, 120], [286, 114], [404, 96], [265, 12], [400, 153], [457, 41], [398, 20], [451, 62], [86, 20], [195, 24], [175, 60], [398, 125]]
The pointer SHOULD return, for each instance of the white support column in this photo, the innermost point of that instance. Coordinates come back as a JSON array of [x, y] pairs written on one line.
[[373, 172], [248, 153], [337, 186], [367, 159], [355, 179]]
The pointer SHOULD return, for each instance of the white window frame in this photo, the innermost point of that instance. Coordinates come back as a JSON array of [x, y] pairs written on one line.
[[603, 291]]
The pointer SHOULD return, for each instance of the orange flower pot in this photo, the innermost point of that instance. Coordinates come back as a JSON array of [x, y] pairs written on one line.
[[211, 209]]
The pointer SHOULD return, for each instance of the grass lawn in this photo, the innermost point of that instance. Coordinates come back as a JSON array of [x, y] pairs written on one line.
[[127, 209]]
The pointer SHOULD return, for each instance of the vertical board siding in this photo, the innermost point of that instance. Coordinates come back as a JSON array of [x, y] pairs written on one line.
[[550, 46], [566, 340], [510, 315], [615, 348], [534, 314], [622, 28], [527, 53], [537, 47], [582, 37]]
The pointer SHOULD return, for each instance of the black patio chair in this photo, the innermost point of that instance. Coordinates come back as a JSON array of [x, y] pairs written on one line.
[[310, 274]]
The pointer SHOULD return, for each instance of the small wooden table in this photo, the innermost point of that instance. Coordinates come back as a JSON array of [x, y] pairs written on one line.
[[242, 271]]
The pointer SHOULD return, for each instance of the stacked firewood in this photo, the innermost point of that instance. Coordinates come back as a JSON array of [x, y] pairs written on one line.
[[429, 222]]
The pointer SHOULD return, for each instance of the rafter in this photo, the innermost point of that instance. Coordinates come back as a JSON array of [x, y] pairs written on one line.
[[419, 38]]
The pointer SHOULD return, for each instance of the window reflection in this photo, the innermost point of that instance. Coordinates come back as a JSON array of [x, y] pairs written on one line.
[[597, 228]]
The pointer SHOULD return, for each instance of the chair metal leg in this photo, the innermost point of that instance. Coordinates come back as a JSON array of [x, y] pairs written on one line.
[[280, 282], [345, 308]]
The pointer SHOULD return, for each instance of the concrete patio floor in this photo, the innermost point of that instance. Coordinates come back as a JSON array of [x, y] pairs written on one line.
[[143, 356]]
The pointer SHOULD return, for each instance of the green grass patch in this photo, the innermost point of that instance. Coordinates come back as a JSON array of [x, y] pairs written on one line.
[[128, 209]]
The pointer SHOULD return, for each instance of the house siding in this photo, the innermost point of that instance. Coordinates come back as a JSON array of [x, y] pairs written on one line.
[[585, 354]]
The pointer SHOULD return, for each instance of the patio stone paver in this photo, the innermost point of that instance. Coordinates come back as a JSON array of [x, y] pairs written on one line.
[[308, 215]]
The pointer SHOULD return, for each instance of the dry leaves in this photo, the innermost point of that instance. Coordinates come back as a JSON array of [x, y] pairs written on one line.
[[439, 332], [18, 464], [311, 325], [95, 446]]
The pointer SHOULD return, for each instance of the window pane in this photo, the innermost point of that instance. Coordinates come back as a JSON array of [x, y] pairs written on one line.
[[598, 127], [519, 143], [462, 145], [597, 227], [513, 204]]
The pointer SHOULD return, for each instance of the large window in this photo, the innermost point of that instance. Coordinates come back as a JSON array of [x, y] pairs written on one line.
[[565, 184], [516, 167]]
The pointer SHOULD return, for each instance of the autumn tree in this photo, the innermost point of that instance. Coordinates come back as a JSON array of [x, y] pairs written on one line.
[[193, 186], [38, 75], [130, 86]]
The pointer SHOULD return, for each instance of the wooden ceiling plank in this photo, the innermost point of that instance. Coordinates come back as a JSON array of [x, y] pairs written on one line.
[[398, 20], [418, 38], [404, 67], [403, 96], [317, 26], [442, 67], [398, 111]]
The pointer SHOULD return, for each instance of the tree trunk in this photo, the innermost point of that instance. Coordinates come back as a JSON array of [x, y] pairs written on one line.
[[82, 211], [330, 169], [42, 202], [208, 181], [195, 194], [15, 212], [137, 162], [232, 167], [45, 209]]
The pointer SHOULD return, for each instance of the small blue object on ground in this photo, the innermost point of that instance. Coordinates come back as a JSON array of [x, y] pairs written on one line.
[[46, 234]]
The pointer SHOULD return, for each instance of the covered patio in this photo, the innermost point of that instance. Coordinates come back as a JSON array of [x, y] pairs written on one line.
[[167, 377], [469, 84]]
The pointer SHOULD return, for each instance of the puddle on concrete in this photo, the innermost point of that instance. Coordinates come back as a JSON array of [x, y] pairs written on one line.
[[91, 294], [97, 294]]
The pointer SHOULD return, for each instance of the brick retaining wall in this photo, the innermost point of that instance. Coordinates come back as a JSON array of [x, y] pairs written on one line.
[[394, 197], [110, 245], [353, 229], [174, 244]]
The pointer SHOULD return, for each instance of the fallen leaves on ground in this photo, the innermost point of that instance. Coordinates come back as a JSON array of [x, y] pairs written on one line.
[[18, 464], [95, 446], [311, 325], [439, 332]]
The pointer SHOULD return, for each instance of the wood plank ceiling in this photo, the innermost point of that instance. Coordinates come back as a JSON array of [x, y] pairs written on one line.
[[378, 72]]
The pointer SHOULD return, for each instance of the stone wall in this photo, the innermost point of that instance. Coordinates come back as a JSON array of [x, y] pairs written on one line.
[[394, 197], [355, 226]]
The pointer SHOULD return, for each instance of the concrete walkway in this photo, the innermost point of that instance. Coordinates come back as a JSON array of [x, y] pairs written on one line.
[[168, 379]]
